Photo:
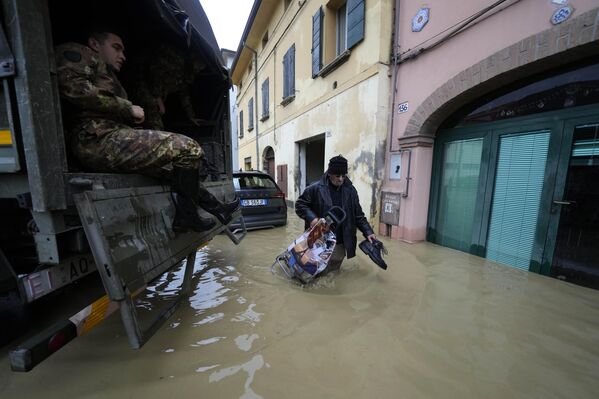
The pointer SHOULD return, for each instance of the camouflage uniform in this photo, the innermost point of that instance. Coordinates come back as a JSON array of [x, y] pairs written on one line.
[[99, 119], [167, 71]]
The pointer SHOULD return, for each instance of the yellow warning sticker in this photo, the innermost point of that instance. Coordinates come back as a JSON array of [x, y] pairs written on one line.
[[5, 137]]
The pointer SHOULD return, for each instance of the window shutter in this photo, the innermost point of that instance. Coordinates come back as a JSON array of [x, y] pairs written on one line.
[[240, 124], [265, 98], [251, 113], [316, 40], [292, 70], [355, 22], [286, 74]]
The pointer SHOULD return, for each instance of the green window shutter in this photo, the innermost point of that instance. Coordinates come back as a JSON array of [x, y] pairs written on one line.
[[355, 22], [516, 198], [457, 194], [316, 40]]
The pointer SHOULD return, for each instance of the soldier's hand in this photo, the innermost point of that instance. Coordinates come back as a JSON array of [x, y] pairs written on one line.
[[138, 113]]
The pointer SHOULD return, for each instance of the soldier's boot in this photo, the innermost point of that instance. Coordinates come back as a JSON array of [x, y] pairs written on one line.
[[210, 203], [184, 192]]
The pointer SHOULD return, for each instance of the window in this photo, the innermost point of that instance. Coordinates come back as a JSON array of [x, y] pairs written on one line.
[[265, 39], [341, 33], [240, 124], [289, 76], [251, 114], [342, 27], [247, 163], [265, 112]]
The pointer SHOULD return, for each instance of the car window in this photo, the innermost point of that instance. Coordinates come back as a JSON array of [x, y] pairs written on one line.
[[253, 182]]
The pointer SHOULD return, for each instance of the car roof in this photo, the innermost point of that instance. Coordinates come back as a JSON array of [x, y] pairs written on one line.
[[252, 173]]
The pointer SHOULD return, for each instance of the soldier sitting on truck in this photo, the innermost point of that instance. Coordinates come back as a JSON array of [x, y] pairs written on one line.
[[160, 73], [101, 136]]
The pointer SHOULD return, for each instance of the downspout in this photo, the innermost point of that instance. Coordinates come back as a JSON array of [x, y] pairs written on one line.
[[256, 119], [395, 66]]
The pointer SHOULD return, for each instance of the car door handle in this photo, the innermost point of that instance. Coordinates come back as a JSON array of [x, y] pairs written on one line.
[[564, 202]]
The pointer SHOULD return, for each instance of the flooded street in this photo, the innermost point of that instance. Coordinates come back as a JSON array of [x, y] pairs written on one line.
[[438, 323]]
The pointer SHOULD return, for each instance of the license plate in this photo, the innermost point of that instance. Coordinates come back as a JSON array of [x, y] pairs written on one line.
[[253, 202]]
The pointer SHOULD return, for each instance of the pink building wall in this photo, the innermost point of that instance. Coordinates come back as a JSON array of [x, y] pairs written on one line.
[[507, 43]]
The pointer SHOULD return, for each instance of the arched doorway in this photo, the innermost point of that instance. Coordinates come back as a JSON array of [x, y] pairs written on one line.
[[268, 165], [512, 177]]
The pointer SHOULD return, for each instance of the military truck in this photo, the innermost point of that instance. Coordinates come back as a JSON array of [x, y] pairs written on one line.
[[59, 222]]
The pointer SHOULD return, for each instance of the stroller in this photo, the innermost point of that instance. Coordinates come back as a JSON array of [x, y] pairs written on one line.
[[309, 255]]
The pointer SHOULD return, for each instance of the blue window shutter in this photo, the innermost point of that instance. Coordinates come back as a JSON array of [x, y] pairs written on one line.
[[355, 22], [516, 198], [292, 71], [286, 75], [316, 41], [240, 124], [265, 98], [251, 113]]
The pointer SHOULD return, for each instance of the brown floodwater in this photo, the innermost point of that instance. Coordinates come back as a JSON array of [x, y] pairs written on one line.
[[437, 324]]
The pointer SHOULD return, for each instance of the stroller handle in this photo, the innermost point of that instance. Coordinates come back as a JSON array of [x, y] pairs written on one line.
[[336, 214]]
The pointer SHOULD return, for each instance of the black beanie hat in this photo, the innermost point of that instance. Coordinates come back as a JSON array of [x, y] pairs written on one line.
[[337, 166]]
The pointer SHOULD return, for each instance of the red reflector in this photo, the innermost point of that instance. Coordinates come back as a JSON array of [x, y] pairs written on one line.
[[57, 341]]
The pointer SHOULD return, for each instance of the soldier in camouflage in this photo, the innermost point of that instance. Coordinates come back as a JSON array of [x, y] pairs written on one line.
[[167, 71], [100, 121]]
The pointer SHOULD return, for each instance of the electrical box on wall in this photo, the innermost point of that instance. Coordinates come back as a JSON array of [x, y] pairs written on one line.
[[395, 165], [390, 208]]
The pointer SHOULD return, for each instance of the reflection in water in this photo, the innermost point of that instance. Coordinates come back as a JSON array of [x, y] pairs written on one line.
[[249, 315], [244, 342], [255, 364], [208, 341], [438, 323]]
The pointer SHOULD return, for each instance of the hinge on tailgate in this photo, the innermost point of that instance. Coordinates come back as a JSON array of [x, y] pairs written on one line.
[[7, 60]]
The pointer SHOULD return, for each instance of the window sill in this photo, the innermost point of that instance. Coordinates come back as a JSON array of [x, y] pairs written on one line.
[[250, 129], [336, 63], [287, 100], [264, 117]]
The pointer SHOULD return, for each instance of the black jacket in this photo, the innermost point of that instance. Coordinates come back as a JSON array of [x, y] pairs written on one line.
[[315, 201]]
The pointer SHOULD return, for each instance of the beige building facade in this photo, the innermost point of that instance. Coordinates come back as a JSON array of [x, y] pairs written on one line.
[[323, 79], [475, 82]]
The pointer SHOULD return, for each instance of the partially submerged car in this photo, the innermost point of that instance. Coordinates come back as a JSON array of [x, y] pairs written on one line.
[[61, 222], [262, 201]]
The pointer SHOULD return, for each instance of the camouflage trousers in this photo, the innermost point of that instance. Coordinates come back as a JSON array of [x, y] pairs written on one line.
[[106, 146]]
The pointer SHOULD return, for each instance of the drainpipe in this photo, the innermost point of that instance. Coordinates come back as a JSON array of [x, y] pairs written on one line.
[[256, 120], [395, 66]]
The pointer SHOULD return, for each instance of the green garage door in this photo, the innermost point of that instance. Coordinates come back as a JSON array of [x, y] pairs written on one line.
[[516, 197]]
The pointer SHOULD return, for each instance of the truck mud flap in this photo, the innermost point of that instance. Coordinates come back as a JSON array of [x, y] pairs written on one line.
[[130, 235]]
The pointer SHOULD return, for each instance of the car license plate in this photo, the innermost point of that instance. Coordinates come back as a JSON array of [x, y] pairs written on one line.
[[253, 202]]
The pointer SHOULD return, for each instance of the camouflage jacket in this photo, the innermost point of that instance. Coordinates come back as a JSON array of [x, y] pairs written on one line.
[[89, 88]]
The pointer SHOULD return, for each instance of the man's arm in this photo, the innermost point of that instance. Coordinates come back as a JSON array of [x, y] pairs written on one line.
[[76, 68], [303, 206]]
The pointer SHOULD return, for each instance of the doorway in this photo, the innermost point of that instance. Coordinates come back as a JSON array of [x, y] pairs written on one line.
[[269, 162], [576, 210], [311, 160]]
